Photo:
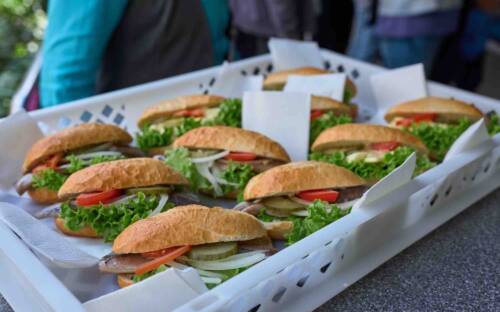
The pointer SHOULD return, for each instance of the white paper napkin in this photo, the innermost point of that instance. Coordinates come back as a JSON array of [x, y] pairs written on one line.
[[398, 85], [389, 183], [329, 85], [44, 240], [164, 291], [231, 83], [288, 54], [475, 135], [282, 116], [18, 132]]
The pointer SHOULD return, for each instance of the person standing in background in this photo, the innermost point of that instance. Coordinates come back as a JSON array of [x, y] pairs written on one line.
[[364, 42], [218, 16], [255, 21], [411, 31], [334, 24], [94, 46]]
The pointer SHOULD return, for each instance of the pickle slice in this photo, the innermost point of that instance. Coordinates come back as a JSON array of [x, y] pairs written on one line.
[[213, 251], [281, 203], [152, 190]]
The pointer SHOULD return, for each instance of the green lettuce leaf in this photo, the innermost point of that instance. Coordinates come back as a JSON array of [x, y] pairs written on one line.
[[229, 114], [188, 124], [325, 121], [140, 277], [348, 95], [494, 124], [49, 178], [148, 138], [378, 170], [321, 214], [110, 220], [76, 164], [179, 160], [439, 139], [238, 173]]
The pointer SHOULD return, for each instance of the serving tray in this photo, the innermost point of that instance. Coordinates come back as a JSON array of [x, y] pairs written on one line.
[[308, 273]]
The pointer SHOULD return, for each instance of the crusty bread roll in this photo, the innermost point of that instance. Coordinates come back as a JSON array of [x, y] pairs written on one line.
[[73, 138], [300, 176], [448, 110], [120, 174], [278, 229], [277, 80], [43, 195], [329, 104], [166, 108], [232, 139], [363, 135], [85, 231], [124, 280], [188, 225]]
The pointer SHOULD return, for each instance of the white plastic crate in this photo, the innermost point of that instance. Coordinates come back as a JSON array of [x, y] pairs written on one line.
[[304, 275]]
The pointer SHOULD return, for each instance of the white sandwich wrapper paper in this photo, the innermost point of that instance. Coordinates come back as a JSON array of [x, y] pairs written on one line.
[[288, 54], [18, 133], [475, 135], [231, 84], [389, 183], [397, 86], [164, 291], [45, 241], [328, 85], [282, 116]]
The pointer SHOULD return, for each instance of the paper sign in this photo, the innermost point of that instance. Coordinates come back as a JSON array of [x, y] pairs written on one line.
[[328, 85], [164, 291], [472, 137], [288, 54], [389, 183], [399, 85], [231, 83], [18, 133], [282, 116]]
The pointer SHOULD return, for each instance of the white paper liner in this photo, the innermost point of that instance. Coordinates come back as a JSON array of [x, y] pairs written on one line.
[[475, 135], [397, 86], [281, 116], [231, 83], [328, 85], [288, 54]]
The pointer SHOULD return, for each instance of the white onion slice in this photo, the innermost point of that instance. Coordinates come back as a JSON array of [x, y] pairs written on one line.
[[124, 199], [205, 159], [181, 266], [161, 204], [242, 260], [159, 157], [203, 169], [96, 154], [211, 280], [301, 213]]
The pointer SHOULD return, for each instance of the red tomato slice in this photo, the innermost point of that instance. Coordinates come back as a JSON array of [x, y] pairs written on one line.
[[197, 112], [326, 195], [158, 253], [240, 156], [424, 117], [385, 146], [353, 111], [315, 114], [51, 163], [406, 122], [155, 263], [89, 199]]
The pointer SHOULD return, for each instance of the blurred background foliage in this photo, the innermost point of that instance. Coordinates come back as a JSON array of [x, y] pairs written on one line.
[[21, 30]]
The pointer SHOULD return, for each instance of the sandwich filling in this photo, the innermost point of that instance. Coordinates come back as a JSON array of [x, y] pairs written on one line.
[[53, 172], [163, 132], [375, 161], [220, 173], [308, 211], [437, 136], [109, 213], [215, 262], [324, 119]]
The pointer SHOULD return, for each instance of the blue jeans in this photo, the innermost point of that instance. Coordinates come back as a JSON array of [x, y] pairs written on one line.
[[364, 43], [397, 52]]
